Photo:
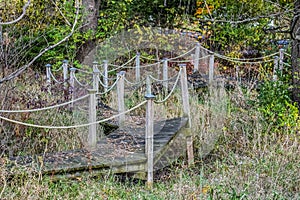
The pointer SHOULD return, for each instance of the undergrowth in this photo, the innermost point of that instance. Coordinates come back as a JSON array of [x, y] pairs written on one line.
[[245, 149]]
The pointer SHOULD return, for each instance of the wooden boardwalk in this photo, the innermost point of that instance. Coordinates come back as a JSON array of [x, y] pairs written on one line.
[[121, 151]]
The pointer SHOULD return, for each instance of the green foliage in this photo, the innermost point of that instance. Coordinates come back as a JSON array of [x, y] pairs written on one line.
[[243, 24], [276, 105]]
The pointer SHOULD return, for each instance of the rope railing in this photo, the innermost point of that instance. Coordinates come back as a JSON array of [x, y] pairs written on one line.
[[121, 66], [81, 84], [73, 126], [173, 89], [190, 60], [110, 88], [83, 71], [45, 108], [182, 55], [287, 54], [245, 62], [165, 80], [55, 80]]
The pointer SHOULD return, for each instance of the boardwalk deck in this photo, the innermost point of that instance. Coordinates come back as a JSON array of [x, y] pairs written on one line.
[[121, 151]]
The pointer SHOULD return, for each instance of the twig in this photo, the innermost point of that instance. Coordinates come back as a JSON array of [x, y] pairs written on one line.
[[20, 17]]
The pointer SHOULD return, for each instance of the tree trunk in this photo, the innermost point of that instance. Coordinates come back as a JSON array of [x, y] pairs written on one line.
[[296, 52], [91, 11]]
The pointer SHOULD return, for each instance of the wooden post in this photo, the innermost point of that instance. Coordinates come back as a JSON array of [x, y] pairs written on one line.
[[105, 74], [137, 68], [211, 68], [196, 57], [48, 76], [187, 113], [96, 74], [72, 84], [95, 65], [92, 136], [276, 61], [149, 137], [281, 56], [121, 93], [165, 75], [65, 72]]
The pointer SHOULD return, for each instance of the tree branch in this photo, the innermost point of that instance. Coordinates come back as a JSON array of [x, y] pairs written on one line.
[[20, 17], [20, 70], [245, 20]]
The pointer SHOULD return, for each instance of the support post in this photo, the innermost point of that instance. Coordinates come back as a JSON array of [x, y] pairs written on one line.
[[165, 75], [105, 74], [276, 61], [121, 93], [96, 77], [65, 72], [92, 136], [137, 68], [149, 137], [281, 57], [211, 68], [48, 72], [196, 57], [72, 85], [187, 113]]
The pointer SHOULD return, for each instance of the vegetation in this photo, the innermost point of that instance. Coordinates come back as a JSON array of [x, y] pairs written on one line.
[[246, 140]]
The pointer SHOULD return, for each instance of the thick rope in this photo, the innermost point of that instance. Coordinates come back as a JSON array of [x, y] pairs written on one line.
[[45, 108], [121, 66], [182, 55], [110, 88], [173, 89], [55, 80], [81, 84], [191, 60], [161, 80], [74, 126]]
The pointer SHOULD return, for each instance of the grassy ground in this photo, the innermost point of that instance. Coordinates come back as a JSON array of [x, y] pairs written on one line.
[[243, 160]]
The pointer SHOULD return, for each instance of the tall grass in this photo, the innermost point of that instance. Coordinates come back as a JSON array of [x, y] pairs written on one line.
[[236, 158]]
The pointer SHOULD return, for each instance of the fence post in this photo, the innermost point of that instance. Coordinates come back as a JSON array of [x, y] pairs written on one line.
[[187, 113], [96, 74], [92, 136], [211, 68], [149, 137], [121, 104], [65, 72], [165, 74], [72, 84], [197, 57], [48, 72], [281, 56], [105, 74], [137, 68], [276, 61]]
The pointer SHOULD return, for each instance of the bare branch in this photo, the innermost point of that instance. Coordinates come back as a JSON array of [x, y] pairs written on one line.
[[20, 70], [20, 17], [246, 20]]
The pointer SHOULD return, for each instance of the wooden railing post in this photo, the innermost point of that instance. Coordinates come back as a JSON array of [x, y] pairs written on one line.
[[281, 57], [96, 77], [165, 74], [65, 72], [211, 68], [92, 136], [137, 68], [121, 93], [187, 113], [276, 61], [48, 71], [105, 74], [72, 85], [149, 137], [197, 57]]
